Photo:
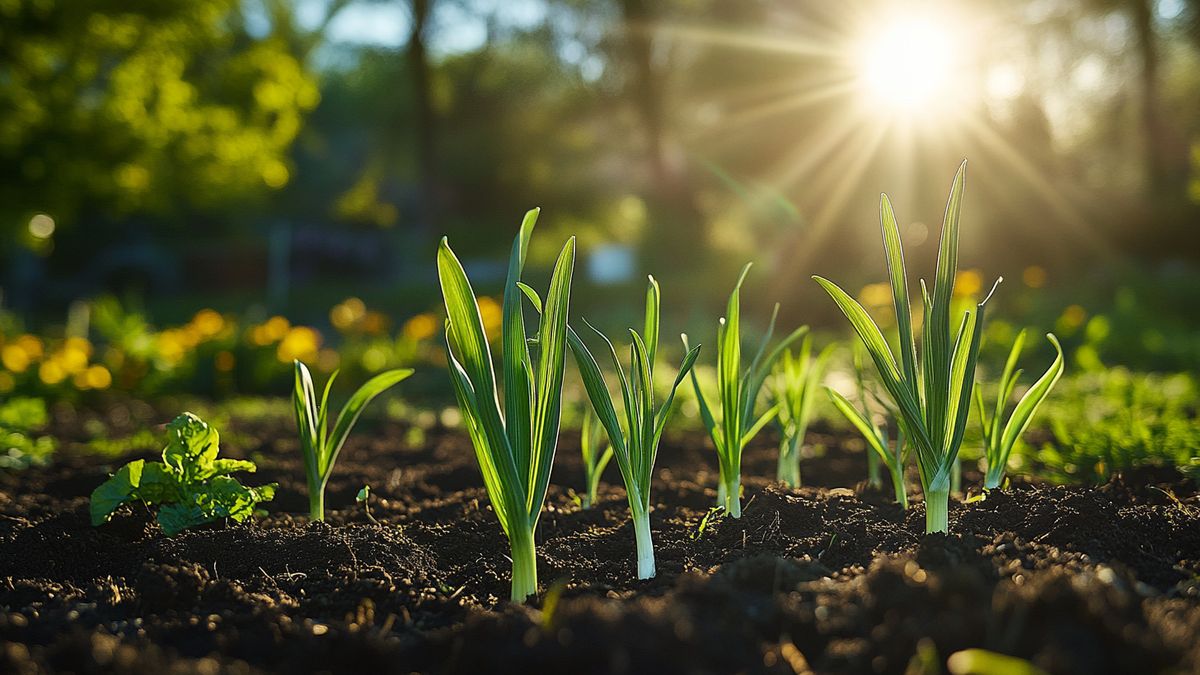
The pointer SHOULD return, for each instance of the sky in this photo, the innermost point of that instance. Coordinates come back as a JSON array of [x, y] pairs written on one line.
[[460, 27]]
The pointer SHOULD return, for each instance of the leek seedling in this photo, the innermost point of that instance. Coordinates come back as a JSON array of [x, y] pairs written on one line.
[[738, 394], [875, 435], [874, 475], [635, 445], [514, 445], [1000, 436], [933, 401], [796, 381], [591, 436], [321, 448]]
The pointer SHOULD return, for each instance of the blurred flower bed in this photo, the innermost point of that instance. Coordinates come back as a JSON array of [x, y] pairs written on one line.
[[213, 353]]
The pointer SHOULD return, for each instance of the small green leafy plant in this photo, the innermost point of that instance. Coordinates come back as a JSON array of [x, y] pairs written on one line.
[[1112, 420], [1000, 435], [933, 399], [591, 439], [874, 434], [737, 392], [21, 446], [364, 497], [190, 487], [797, 377], [514, 445], [635, 445], [320, 446]]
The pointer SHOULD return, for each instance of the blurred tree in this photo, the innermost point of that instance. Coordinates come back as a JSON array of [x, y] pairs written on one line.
[[1165, 156], [140, 106], [679, 231]]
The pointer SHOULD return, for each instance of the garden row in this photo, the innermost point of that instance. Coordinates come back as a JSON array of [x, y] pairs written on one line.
[[513, 416]]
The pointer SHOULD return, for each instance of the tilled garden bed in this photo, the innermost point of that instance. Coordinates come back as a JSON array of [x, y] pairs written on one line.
[[829, 578]]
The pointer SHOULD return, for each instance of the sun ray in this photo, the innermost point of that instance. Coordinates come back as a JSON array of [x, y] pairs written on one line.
[[1067, 213]]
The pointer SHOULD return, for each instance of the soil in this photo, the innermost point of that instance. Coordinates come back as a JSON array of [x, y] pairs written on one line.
[[830, 578]]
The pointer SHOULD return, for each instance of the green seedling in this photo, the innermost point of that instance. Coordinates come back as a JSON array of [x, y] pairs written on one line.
[[190, 487], [514, 445], [932, 400], [591, 440], [318, 444], [364, 497], [876, 435], [635, 445], [796, 379], [737, 392], [1000, 435]]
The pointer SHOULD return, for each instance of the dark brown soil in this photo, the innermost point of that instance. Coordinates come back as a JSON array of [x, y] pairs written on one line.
[[829, 578]]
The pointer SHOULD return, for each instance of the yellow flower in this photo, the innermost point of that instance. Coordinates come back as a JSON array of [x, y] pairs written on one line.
[[347, 313], [299, 344], [420, 327], [1072, 318], [875, 295], [14, 358], [374, 323], [968, 283], [32, 346], [98, 377], [74, 355], [208, 323], [270, 331], [51, 373], [492, 315], [171, 347]]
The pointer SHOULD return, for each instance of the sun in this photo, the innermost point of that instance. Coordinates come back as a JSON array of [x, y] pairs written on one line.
[[905, 65]]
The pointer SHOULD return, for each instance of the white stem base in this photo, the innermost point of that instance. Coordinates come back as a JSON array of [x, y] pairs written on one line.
[[645, 546], [937, 511]]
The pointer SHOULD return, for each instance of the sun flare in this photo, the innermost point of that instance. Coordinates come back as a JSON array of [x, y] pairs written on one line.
[[906, 64]]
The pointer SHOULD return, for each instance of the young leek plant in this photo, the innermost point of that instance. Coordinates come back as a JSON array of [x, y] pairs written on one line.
[[796, 380], [875, 435], [320, 447], [591, 439], [634, 444], [874, 463], [999, 435], [932, 399], [737, 392], [514, 444]]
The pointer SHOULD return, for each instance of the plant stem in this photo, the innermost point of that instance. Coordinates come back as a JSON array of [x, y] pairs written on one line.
[[316, 502], [733, 495], [721, 499], [874, 479], [937, 511], [645, 545], [991, 481], [898, 487], [524, 559], [788, 471], [956, 474]]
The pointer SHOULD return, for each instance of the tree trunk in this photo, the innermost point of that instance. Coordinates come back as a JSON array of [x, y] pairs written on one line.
[[418, 60], [1166, 164], [676, 228]]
